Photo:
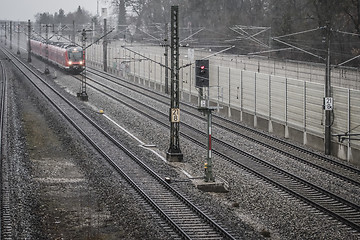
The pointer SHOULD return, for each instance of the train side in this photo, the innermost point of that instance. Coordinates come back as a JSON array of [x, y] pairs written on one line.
[[66, 56]]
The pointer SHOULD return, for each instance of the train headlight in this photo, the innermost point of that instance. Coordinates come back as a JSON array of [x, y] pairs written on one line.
[[81, 62], [70, 62]]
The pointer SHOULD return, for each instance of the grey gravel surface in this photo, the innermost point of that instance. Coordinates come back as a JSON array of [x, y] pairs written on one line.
[[256, 203], [252, 209], [260, 205]]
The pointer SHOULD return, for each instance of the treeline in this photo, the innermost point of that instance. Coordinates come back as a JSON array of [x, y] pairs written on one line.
[[226, 22], [223, 20], [80, 16]]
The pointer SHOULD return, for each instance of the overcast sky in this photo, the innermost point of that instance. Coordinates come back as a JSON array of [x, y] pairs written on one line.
[[22, 10]]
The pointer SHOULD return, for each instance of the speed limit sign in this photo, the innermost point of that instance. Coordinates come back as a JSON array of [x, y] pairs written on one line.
[[175, 115]]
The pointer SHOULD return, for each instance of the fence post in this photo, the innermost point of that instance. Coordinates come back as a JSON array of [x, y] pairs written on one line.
[[94, 55], [190, 83], [149, 70], [218, 89], [270, 126], [255, 105], [181, 73], [139, 69], [349, 156], [161, 75], [274, 67], [229, 108], [155, 57], [286, 109], [305, 133], [144, 71], [241, 96], [297, 69]]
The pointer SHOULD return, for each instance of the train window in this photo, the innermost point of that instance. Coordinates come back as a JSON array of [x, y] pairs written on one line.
[[75, 55]]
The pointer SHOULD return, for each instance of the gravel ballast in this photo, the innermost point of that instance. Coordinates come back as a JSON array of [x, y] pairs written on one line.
[[64, 189]]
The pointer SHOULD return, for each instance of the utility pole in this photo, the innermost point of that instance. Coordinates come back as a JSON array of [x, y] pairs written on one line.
[[174, 153], [29, 45], [18, 39], [166, 59], [83, 94], [5, 34], [328, 91], [105, 47], [47, 49], [10, 35]]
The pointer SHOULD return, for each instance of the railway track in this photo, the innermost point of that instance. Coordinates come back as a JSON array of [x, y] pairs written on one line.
[[186, 220], [312, 159], [5, 224], [321, 199]]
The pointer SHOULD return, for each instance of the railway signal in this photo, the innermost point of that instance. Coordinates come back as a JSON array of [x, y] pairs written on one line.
[[202, 73], [202, 83]]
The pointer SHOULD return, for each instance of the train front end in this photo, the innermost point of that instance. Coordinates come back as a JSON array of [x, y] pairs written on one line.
[[75, 60]]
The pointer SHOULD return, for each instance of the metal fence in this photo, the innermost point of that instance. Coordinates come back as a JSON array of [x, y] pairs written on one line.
[[289, 93]]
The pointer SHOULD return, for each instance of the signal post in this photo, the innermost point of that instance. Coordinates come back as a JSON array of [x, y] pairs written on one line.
[[202, 82], [174, 153], [82, 94]]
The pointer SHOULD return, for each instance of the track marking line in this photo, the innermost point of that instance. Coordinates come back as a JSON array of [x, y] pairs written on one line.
[[142, 144], [186, 173]]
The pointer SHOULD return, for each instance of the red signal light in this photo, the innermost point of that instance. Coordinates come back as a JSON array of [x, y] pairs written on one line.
[[202, 73]]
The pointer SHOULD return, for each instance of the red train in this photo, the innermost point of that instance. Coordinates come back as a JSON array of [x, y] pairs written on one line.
[[67, 56]]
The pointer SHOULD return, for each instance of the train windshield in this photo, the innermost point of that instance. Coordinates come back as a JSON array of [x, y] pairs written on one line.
[[75, 54]]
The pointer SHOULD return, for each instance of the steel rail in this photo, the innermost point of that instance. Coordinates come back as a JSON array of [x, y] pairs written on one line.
[[5, 215], [2, 110]]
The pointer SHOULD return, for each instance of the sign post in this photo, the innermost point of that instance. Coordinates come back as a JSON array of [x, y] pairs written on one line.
[[174, 153]]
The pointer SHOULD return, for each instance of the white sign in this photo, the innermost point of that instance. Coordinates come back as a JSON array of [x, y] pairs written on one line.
[[329, 104], [175, 115]]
